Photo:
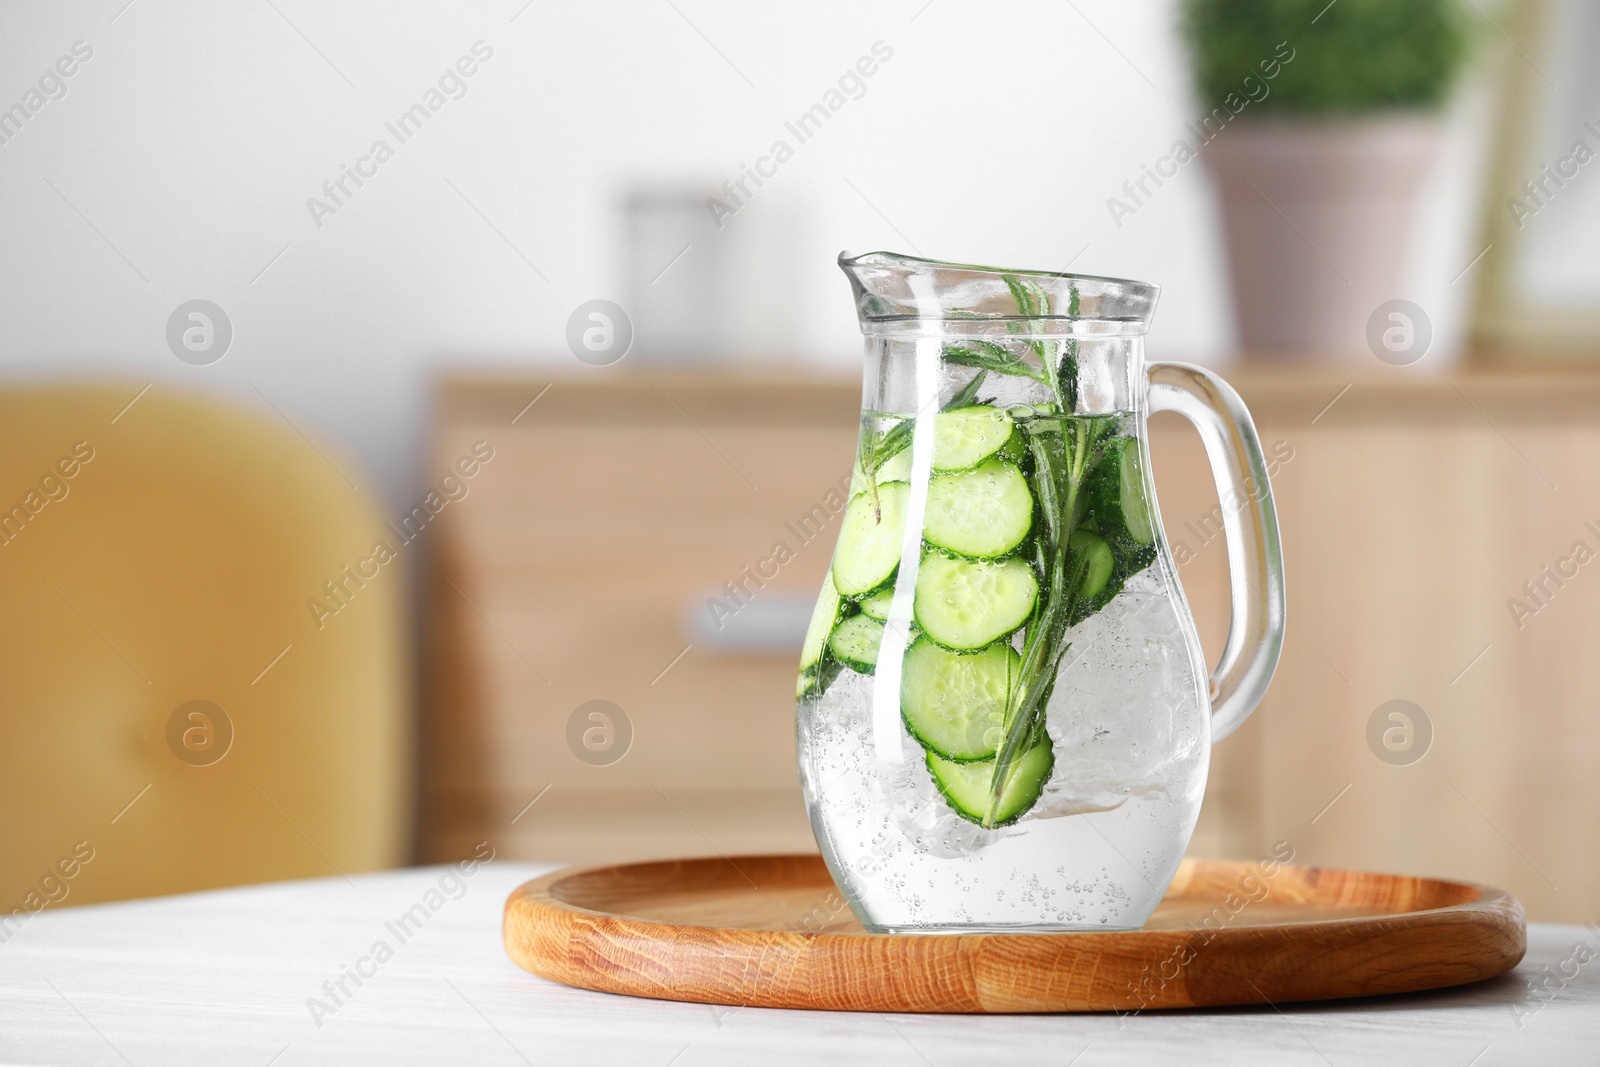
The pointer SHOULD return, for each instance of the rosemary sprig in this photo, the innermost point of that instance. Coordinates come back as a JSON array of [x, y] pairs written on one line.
[[1033, 302], [990, 356], [1061, 449]]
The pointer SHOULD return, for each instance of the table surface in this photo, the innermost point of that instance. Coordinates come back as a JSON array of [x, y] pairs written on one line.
[[230, 976]]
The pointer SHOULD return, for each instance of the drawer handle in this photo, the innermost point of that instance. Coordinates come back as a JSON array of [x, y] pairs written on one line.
[[771, 622]]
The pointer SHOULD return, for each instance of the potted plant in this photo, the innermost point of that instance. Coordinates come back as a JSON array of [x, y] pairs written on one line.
[[1324, 119]]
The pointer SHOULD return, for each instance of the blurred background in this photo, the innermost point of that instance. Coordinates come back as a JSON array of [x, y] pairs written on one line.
[[388, 387]]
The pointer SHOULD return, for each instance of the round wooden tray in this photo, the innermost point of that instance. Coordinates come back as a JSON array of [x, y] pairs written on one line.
[[771, 931]]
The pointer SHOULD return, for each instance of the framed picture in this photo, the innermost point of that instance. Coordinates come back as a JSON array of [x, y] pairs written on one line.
[[1539, 294]]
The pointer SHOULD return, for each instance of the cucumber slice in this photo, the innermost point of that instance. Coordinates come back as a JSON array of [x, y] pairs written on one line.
[[897, 468], [954, 703], [984, 513], [813, 672], [1016, 447], [854, 642], [823, 616], [1119, 511], [966, 604], [876, 605], [1117, 499], [1098, 562], [1106, 569], [965, 437], [869, 540], [1130, 486], [966, 786]]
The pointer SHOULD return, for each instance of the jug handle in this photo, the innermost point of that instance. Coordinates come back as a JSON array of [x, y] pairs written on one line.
[[1250, 522]]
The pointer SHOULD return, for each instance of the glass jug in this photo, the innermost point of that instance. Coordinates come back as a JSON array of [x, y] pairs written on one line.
[[1005, 718]]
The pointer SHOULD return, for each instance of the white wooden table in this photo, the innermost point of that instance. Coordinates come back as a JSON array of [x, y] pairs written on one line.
[[226, 977]]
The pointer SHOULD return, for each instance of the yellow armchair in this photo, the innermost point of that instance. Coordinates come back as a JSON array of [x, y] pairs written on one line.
[[176, 711]]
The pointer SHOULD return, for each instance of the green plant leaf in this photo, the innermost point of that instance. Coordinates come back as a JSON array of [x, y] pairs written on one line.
[[1313, 58]]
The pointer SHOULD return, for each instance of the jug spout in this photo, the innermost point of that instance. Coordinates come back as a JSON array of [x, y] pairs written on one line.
[[893, 288]]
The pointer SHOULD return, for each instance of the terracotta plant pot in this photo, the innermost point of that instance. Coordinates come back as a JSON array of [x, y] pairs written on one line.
[[1317, 215]]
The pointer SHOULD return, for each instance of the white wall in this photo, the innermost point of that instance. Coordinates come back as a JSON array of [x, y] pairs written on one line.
[[194, 135]]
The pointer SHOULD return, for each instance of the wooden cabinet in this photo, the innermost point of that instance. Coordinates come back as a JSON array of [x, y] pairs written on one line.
[[1414, 512], [1413, 509], [613, 510]]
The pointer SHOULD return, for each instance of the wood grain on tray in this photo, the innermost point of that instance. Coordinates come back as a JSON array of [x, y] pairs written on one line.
[[771, 931]]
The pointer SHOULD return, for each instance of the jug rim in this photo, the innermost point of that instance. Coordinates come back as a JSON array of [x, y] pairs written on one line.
[[895, 287]]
